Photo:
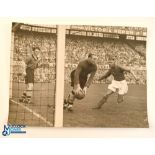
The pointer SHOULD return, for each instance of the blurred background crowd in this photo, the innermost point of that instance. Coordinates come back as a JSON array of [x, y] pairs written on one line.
[[77, 49]]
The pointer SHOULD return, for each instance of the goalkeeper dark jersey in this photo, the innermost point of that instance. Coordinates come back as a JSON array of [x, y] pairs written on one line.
[[31, 62], [82, 71]]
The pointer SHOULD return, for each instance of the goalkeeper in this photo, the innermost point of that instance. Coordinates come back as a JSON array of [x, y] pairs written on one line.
[[31, 63], [80, 80]]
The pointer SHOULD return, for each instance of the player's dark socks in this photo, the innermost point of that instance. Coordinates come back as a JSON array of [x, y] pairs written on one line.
[[120, 99], [23, 97], [70, 107], [65, 104], [28, 100], [21, 100]]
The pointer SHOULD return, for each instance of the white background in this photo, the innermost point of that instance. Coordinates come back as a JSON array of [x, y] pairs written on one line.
[[79, 8]]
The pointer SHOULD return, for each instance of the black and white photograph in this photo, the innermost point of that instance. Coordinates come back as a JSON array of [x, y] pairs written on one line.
[[105, 77], [105, 82], [77, 77], [32, 75]]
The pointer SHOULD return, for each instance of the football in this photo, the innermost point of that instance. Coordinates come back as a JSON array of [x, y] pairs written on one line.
[[80, 95]]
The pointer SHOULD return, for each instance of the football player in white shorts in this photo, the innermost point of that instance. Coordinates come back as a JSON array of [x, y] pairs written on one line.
[[118, 84]]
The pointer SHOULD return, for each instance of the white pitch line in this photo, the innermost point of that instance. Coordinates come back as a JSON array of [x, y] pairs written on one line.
[[33, 112]]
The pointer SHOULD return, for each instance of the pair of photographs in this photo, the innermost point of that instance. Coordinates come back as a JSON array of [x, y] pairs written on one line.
[[104, 76]]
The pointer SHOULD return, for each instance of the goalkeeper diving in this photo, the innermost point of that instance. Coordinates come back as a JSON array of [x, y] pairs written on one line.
[[81, 79]]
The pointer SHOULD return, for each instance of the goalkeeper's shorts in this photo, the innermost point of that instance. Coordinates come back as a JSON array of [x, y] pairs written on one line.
[[29, 78]]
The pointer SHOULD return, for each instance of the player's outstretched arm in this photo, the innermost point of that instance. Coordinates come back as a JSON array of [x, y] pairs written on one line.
[[108, 73], [135, 77], [37, 65], [92, 74], [89, 81], [77, 87], [125, 68], [128, 69]]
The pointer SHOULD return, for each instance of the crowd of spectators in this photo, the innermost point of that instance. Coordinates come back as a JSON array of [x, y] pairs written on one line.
[[23, 43], [139, 46], [77, 49]]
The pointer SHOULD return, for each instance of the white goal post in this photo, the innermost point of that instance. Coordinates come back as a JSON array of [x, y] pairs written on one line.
[[61, 30]]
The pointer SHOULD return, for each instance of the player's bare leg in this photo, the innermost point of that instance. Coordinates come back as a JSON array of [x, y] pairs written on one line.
[[103, 100], [120, 98], [29, 92]]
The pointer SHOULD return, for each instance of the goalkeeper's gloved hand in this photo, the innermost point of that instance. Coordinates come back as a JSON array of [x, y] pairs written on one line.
[[85, 90], [76, 89]]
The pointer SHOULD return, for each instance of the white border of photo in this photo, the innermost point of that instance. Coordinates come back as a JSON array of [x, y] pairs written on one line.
[[5, 39]]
